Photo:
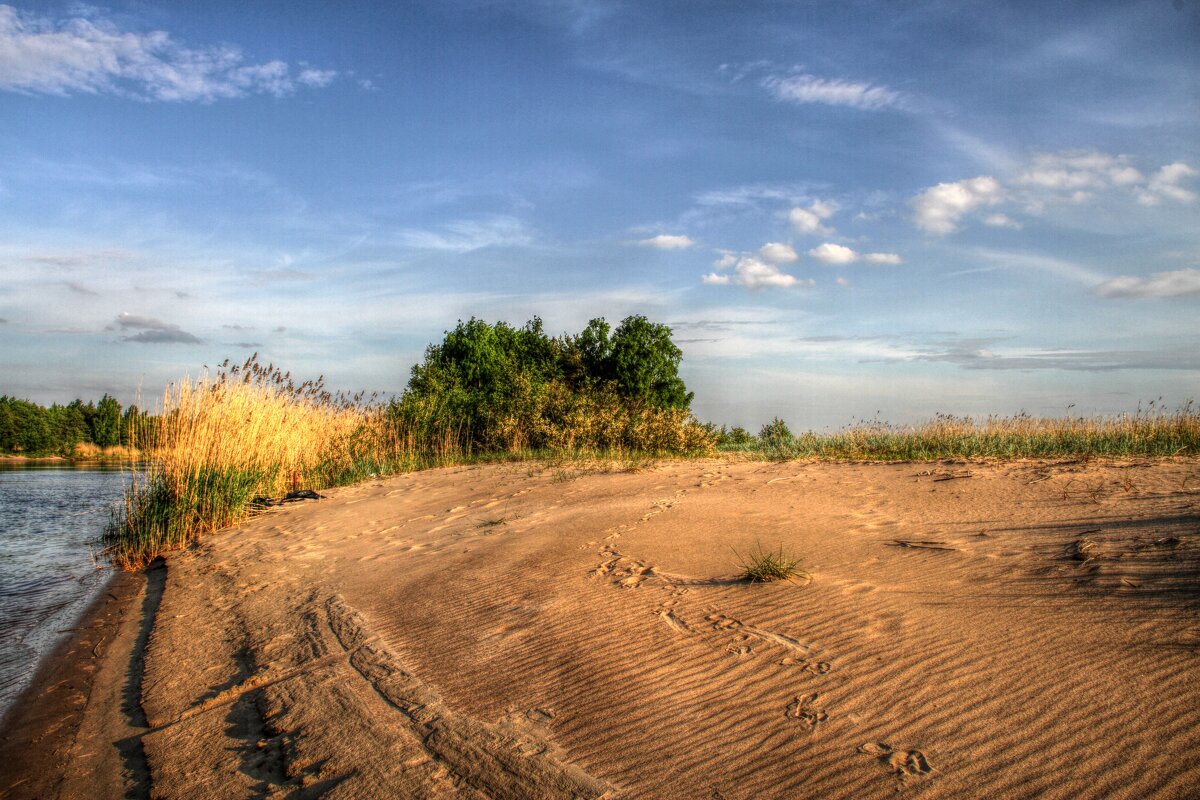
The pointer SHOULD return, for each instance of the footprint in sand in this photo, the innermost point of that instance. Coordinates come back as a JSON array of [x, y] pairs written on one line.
[[624, 572], [903, 763], [815, 667], [804, 708], [666, 612], [738, 647]]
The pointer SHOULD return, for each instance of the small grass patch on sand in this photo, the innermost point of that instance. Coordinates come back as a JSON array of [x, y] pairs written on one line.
[[761, 566]]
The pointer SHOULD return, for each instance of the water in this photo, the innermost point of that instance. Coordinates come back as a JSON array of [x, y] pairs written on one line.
[[51, 517]]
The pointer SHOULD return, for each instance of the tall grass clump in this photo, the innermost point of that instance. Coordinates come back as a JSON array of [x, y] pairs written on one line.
[[1150, 431], [251, 432]]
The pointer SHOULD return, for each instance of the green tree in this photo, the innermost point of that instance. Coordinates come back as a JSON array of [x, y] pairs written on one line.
[[8, 426], [645, 364], [106, 424]]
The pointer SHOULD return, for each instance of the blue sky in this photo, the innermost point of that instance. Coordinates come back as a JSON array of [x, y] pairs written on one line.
[[841, 209]]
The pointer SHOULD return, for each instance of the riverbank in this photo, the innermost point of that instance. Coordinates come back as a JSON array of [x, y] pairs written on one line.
[[513, 630], [74, 731]]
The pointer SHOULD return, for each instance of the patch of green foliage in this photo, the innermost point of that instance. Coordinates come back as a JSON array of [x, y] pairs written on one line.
[[31, 429], [500, 389]]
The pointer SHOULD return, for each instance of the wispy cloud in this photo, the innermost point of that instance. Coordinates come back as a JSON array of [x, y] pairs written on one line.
[[151, 330], [79, 288], [1177, 283], [978, 358], [806, 88], [94, 56], [463, 236], [751, 194], [666, 241]]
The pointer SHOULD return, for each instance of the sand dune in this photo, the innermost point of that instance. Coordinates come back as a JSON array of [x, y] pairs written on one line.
[[1004, 631]]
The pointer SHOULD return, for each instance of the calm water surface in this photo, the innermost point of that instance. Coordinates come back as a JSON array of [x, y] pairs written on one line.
[[51, 516]]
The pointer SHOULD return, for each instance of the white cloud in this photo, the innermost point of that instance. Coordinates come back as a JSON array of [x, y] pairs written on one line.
[[93, 56], [842, 282], [1177, 283], [1165, 183], [665, 241], [754, 273], [1079, 170], [1002, 221], [834, 92], [838, 254], [726, 261], [830, 253], [939, 208], [317, 78], [778, 253], [808, 220], [1075, 177]]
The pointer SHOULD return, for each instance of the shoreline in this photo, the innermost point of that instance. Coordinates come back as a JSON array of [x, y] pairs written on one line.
[[80, 687], [549, 631]]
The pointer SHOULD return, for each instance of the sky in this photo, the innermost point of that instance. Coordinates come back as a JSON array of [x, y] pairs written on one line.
[[843, 210]]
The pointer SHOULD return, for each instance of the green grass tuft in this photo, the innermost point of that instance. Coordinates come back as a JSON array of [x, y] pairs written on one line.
[[762, 566]]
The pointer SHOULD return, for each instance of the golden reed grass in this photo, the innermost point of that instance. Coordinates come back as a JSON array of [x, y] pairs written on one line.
[[218, 445]]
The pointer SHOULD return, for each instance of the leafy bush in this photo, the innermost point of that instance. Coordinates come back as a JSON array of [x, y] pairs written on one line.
[[506, 389], [736, 436], [776, 434]]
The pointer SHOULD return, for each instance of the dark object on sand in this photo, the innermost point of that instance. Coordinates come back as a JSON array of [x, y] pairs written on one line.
[[290, 497]]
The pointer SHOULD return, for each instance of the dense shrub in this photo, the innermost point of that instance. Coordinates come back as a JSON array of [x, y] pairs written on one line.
[[506, 389]]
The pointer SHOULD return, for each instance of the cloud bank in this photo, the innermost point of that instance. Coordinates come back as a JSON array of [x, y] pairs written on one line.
[[1074, 177], [94, 56]]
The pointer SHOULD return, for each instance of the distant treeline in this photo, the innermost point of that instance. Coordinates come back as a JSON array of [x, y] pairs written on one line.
[[27, 428]]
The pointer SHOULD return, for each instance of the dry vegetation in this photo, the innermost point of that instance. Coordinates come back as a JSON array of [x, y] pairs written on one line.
[[219, 445], [1151, 431]]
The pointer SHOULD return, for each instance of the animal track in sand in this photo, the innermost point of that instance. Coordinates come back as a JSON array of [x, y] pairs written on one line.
[[903, 763], [815, 667], [722, 622], [673, 620], [626, 573], [804, 708]]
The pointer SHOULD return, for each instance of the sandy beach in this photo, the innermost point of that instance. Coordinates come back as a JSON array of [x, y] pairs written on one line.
[[1007, 630]]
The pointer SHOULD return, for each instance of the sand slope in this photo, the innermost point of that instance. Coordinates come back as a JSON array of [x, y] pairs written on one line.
[[1012, 630]]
